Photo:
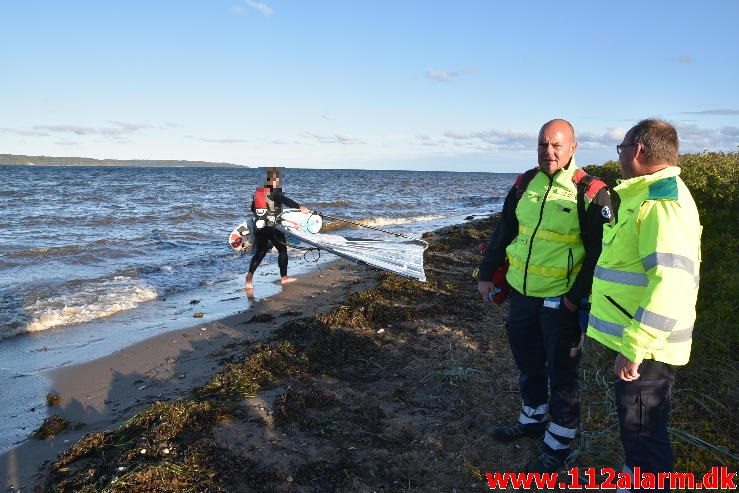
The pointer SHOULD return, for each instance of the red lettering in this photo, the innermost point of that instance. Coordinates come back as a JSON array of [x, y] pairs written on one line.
[[717, 478], [608, 482], [590, 474], [624, 481], [682, 481]]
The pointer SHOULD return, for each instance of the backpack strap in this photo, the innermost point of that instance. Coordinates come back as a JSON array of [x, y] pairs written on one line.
[[587, 186], [523, 181]]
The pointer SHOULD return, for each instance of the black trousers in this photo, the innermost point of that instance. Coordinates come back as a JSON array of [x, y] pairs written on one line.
[[262, 240], [643, 409], [541, 339]]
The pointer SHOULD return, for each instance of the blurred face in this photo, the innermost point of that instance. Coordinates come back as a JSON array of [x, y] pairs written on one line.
[[273, 181], [556, 147]]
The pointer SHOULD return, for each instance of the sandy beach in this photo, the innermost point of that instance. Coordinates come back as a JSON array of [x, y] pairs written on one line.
[[103, 393], [351, 380]]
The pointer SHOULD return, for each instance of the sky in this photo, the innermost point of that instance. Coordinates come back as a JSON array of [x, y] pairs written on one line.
[[415, 85]]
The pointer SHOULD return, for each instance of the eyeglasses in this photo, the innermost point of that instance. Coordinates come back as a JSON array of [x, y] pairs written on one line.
[[620, 147]]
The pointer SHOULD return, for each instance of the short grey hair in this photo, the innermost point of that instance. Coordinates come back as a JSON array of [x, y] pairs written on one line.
[[659, 141]]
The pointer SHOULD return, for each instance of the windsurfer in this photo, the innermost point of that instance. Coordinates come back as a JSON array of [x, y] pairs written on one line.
[[266, 207]]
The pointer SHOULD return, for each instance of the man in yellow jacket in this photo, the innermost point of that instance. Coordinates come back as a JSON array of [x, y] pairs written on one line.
[[645, 288], [550, 233]]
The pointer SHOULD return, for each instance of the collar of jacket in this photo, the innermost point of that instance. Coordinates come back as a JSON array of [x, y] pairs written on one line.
[[640, 183], [564, 173]]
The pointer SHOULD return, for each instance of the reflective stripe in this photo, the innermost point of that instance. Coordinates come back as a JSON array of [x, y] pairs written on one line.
[[680, 336], [527, 414], [530, 411], [668, 260], [525, 420], [561, 430], [553, 443], [573, 239], [606, 327], [655, 320], [540, 270], [621, 277]]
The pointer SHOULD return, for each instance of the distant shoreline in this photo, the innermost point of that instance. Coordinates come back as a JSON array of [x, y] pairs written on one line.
[[22, 160]]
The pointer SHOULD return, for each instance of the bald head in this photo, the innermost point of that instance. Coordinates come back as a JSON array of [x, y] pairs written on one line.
[[557, 145], [559, 125]]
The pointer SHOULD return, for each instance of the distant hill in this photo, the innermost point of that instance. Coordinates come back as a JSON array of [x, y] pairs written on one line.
[[19, 160]]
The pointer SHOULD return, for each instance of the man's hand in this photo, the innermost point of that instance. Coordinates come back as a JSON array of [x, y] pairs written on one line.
[[485, 288], [304, 209], [569, 305], [625, 369]]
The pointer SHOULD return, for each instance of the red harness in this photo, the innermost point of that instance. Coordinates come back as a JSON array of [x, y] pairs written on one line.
[[260, 198]]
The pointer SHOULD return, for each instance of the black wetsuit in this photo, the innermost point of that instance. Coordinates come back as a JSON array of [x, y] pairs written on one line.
[[267, 236]]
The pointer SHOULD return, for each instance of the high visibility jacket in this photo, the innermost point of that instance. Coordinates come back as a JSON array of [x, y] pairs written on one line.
[[546, 254], [646, 279]]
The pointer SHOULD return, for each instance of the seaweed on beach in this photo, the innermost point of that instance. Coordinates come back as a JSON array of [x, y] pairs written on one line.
[[396, 389], [52, 426], [264, 366]]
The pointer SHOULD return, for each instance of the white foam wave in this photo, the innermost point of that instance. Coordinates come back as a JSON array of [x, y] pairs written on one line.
[[97, 300], [388, 221]]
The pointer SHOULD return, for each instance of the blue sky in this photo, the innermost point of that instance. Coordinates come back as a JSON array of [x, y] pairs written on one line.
[[459, 86]]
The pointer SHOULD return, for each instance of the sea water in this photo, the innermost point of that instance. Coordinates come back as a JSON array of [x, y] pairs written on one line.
[[93, 259]]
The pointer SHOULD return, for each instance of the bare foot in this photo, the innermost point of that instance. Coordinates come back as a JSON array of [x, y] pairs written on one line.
[[249, 292], [286, 279]]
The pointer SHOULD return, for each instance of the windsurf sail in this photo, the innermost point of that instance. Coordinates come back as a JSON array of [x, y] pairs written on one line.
[[400, 254]]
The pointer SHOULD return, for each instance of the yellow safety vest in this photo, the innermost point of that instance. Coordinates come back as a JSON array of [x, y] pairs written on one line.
[[547, 253], [646, 280]]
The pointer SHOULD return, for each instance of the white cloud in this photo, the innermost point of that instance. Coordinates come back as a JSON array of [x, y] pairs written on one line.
[[25, 133], [447, 75], [495, 140], [226, 140], [261, 7], [333, 139], [119, 129], [129, 127], [606, 140], [696, 139], [685, 58], [718, 111], [440, 75]]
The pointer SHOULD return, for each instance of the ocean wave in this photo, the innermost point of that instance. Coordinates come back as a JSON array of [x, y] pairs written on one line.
[[190, 215], [50, 250], [335, 203], [377, 222], [91, 301]]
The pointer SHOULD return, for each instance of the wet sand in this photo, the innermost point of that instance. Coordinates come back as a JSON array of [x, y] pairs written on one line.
[[104, 393]]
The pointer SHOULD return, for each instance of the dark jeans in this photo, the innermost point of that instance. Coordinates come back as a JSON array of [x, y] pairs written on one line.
[[643, 409], [262, 239], [541, 339]]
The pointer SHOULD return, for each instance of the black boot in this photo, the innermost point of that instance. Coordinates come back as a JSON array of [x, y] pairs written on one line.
[[509, 433], [546, 462]]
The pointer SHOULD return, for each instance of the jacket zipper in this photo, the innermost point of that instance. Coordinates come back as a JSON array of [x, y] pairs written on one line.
[[620, 308], [531, 243]]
